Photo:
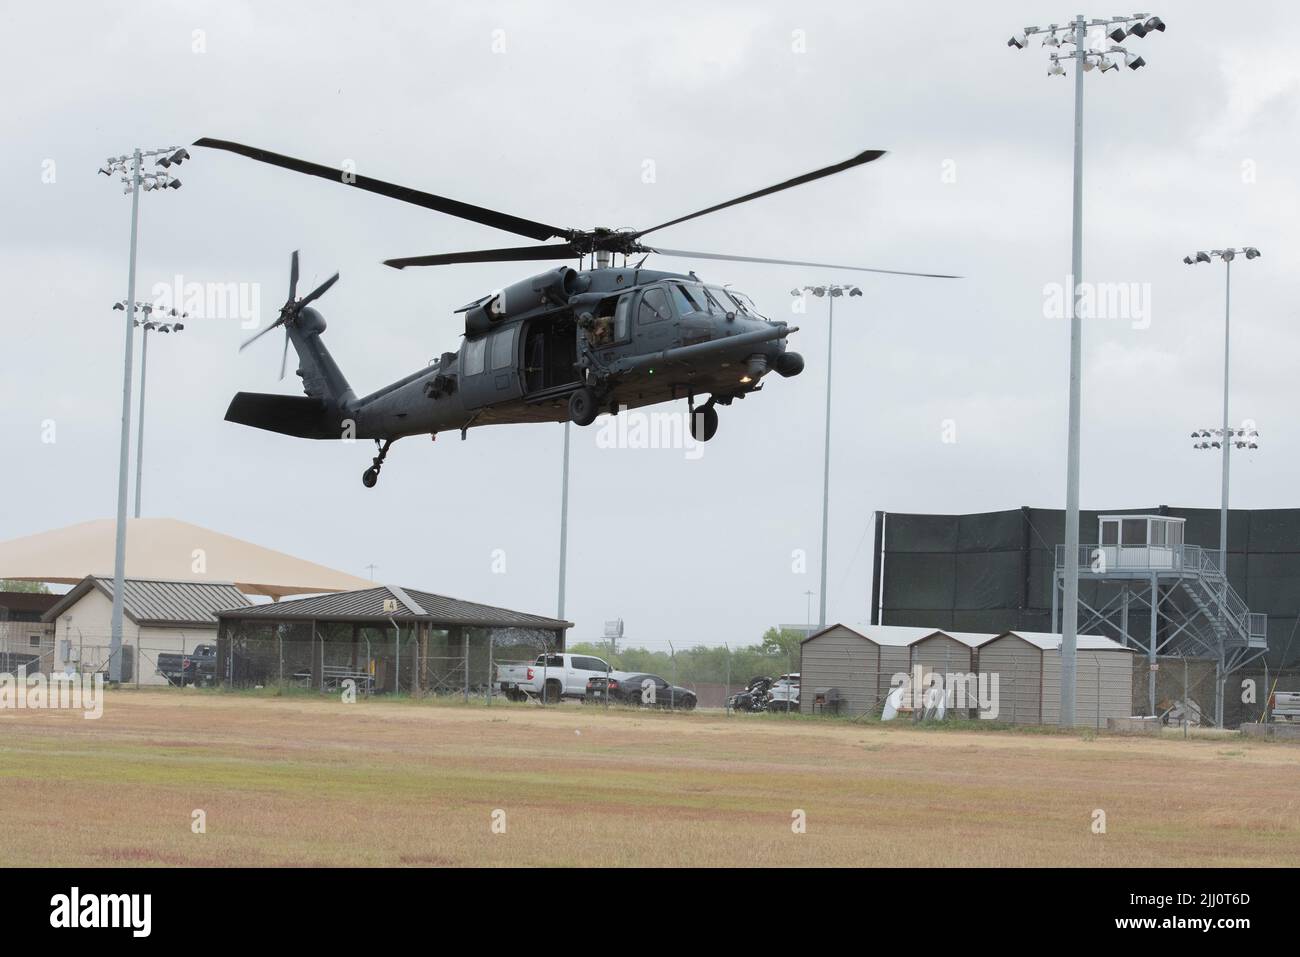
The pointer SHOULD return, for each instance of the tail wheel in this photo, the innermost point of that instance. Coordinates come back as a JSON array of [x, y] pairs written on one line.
[[552, 693], [704, 423], [582, 407]]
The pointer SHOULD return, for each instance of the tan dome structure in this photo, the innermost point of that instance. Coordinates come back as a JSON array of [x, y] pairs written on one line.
[[167, 549]]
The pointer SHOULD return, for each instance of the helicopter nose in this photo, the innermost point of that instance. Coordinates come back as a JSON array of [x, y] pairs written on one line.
[[789, 364]]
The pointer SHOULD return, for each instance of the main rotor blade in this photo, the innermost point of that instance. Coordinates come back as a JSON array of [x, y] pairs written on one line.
[[293, 276], [508, 254], [441, 204], [687, 254], [248, 342], [284, 356], [864, 157], [316, 293]]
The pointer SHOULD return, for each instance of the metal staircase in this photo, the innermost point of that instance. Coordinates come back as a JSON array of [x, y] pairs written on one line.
[[1189, 607]]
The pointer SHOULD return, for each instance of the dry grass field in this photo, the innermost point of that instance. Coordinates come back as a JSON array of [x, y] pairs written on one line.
[[312, 781]]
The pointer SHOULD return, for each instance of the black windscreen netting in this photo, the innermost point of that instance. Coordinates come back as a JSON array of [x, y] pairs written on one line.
[[994, 570], [988, 580]]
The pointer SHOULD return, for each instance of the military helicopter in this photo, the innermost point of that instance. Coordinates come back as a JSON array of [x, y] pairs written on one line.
[[565, 344]]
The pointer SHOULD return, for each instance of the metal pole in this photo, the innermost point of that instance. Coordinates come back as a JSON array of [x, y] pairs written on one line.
[[1227, 438], [124, 456], [564, 523], [727, 699], [1070, 607], [1151, 651], [1186, 710], [139, 432], [672, 699], [826, 468]]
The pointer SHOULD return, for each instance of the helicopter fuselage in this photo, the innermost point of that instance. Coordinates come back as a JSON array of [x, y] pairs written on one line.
[[633, 337]]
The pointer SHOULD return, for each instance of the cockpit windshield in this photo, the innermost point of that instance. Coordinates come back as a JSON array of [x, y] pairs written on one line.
[[697, 297], [746, 304]]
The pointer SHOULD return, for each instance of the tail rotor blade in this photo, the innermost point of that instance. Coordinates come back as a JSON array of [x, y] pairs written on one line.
[[284, 356], [249, 342], [318, 291], [293, 276]]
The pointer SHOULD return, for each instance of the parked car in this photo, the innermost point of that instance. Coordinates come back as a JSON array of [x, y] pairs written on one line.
[[552, 677], [640, 690], [199, 667], [784, 694]]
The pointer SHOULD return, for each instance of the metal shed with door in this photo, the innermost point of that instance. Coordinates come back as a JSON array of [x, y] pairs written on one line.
[[1027, 668]]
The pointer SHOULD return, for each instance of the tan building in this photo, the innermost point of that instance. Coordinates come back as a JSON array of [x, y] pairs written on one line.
[[1028, 669], [159, 617], [863, 663], [1026, 666], [164, 549]]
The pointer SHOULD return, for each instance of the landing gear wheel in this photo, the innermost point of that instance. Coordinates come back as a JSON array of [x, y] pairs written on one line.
[[371, 475], [582, 407], [704, 422]]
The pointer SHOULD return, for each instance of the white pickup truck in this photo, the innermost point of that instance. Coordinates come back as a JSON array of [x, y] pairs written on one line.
[[552, 677]]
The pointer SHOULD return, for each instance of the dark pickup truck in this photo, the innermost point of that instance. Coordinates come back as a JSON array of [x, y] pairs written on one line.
[[199, 667]]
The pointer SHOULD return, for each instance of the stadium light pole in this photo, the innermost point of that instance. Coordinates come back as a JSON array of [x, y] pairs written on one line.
[[1227, 436], [831, 291], [564, 523], [174, 322], [1086, 59], [133, 178]]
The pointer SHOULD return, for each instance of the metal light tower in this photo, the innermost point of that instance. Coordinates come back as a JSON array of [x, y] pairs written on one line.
[[831, 291], [1086, 58], [564, 524], [133, 180], [173, 322], [1227, 436]]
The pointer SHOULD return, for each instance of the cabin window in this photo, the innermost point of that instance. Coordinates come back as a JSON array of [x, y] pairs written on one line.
[[621, 312], [472, 354], [503, 348], [654, 306], [1133, 531], [1110, 533]]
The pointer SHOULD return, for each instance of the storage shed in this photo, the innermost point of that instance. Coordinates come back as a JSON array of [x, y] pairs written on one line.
[[1027, 668], [862, 663]]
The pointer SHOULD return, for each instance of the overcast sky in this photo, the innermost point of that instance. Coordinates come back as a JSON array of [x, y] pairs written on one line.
[[551, 111]]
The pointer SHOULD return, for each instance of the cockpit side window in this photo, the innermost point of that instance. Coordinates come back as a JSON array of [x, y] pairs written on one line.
[[686, 300], [654, 306]]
